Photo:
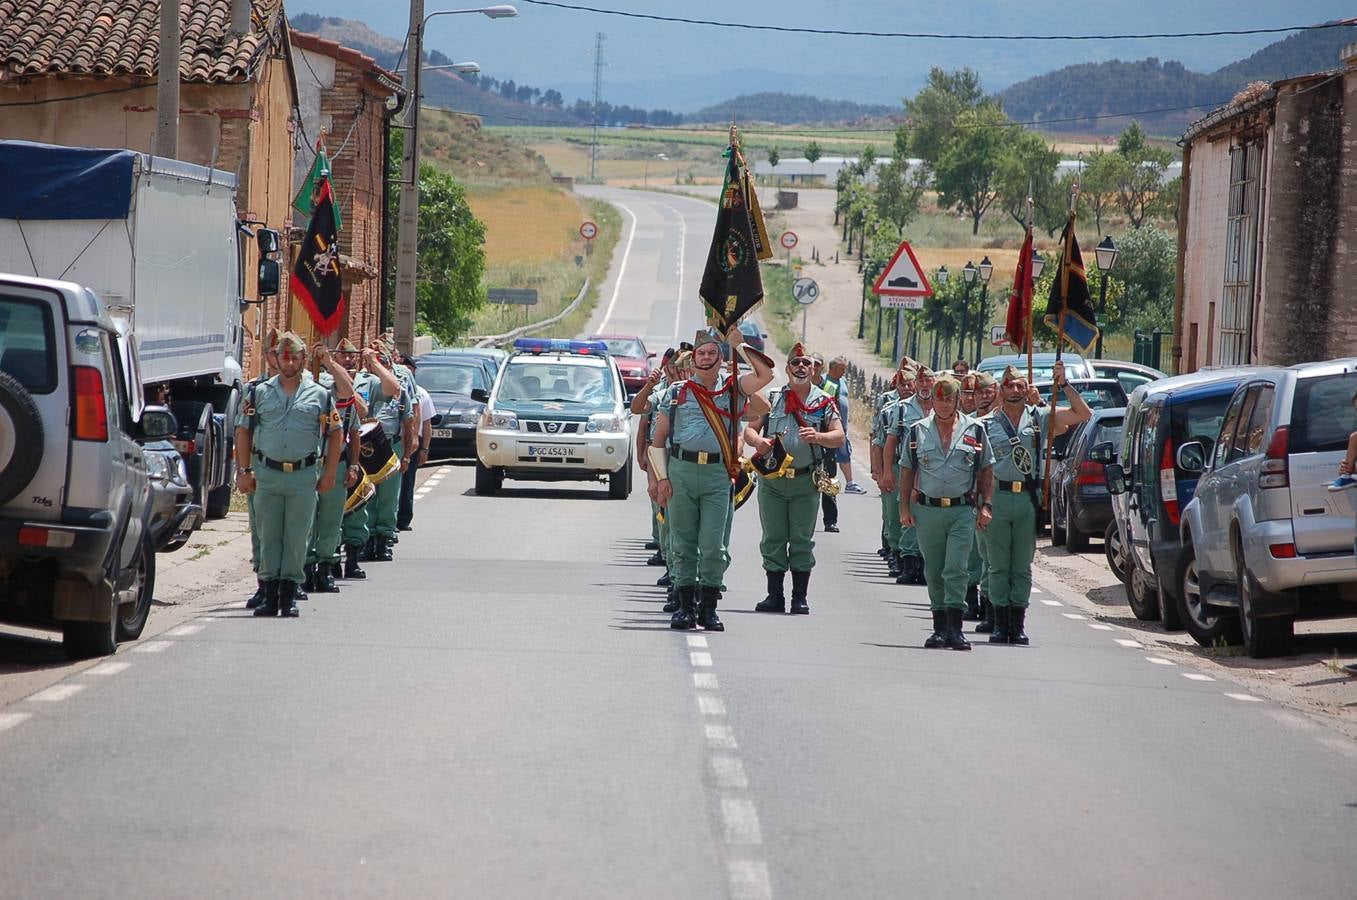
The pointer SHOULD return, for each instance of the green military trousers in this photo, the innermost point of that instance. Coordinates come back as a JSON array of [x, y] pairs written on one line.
[[907, 539], [1010, 543], [284, 507], [699, 517], [382, 519], [354, 532], [655, 524], [254, 532], [787, 510], [890, 517], [329, 520], [945, 537], [975, 564]]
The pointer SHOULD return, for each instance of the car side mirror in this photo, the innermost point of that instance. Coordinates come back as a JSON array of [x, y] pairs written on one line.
[[1116, 478], [158, 424], [1191, 457], [270, 276], [651, 355], [268, 241], [1102, 453], [480, 395]]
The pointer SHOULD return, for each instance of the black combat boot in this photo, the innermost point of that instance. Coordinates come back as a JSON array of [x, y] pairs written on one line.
[[287, 599], [776, 601], [369, 551], [656, 560], [309, 577], [671, 600], [652, 545], [379, 549], [664, 580], [325, 578], [938, 639], [706, 610], [1002, 618], [986, 625], [298, 592], [972, 613], [904, 569], [261, 587], [351, 569], [270, 605], [956, 640], [893, 564], [920, 576], [800, 584], [1018, 618], [685, 617]]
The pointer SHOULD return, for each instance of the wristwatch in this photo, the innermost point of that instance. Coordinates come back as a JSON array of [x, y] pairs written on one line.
[[987, 505], [246, 470]]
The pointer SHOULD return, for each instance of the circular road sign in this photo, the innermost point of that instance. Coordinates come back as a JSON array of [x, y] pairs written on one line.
[[805, 290], [588, 231], [788, 240]]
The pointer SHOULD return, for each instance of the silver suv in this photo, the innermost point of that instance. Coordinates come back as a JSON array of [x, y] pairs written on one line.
[[75, 500], [1264, 540]]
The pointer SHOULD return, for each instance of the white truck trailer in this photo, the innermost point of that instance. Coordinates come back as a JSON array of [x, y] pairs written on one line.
[[161, 242]]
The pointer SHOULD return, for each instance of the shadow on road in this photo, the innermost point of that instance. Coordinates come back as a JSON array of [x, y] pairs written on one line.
[[24, 653]]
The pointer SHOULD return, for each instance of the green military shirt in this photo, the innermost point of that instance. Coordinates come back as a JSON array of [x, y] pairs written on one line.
[[391, 411], [946, 471], [907, 412], [688, 428], [782, 422], [1016, 456], [349, 418], [287, 428], [883, 416]]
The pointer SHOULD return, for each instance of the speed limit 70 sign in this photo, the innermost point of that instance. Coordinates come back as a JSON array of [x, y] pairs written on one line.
[[805, 291]]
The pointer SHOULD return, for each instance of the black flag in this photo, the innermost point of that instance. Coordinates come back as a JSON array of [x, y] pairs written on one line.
[[316, 280], [1069, 296], [731, 283]]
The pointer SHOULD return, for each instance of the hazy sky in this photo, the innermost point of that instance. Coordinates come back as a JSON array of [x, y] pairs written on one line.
[[683, 67]]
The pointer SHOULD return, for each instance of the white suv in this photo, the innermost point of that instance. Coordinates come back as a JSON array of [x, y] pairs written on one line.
[[557, 412]]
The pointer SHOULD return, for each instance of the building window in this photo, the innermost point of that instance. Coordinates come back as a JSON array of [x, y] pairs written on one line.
[[1241, 244]]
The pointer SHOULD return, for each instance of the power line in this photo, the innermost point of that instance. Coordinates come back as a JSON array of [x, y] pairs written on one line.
[[939, 36]]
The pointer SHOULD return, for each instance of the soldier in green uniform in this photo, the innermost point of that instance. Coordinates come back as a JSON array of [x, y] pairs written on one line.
[[270, 370], [278, 446], [986, 399], [883, 417], [692, 478], [975, 567], [646, 404], [910, 561], [322, 559], [947, 478], [391, 404], [1019, 434], [354, 533], [805, 420]]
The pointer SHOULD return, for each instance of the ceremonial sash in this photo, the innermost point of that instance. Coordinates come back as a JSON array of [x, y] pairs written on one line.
[[706, 401]]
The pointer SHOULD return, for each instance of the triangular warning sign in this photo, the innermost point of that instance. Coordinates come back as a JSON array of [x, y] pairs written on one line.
[[904, 277]]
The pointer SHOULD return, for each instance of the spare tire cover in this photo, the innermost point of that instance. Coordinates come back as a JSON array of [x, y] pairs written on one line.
[[21, 437]]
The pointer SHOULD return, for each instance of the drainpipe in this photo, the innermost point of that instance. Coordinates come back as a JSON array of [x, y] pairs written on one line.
[[1180, 285]]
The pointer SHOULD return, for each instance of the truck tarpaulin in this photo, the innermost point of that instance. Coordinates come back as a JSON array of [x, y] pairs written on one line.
[[46, 182]]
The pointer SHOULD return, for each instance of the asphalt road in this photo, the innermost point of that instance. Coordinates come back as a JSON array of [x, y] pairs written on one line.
[[503, 712]]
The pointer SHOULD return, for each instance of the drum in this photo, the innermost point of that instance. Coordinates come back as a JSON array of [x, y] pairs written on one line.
[[362, 491], [375, 454]]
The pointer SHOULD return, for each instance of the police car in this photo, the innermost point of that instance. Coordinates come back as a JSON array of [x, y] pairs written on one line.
[[557, 412]]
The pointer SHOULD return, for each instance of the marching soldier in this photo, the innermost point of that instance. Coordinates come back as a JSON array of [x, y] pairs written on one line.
[[390, 405], [883, 408], [322, 560], [646, 404], [803, 424], [278, 446], [975, 567], [986, 399], [692, 467], [354, 532], [910, 565], [270, 370], [1018, 434], [829, 503], [945, 487]]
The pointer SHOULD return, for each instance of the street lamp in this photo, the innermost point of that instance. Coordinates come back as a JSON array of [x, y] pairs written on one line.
[[407, 241], [986, 271], [1038, 264], [1107, 254], [968, 273]]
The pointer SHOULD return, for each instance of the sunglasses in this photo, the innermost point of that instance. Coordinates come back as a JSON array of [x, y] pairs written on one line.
[[801, 362]]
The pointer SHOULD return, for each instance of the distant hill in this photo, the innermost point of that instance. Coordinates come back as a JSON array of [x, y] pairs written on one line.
[[788, 109], [1068, 99]]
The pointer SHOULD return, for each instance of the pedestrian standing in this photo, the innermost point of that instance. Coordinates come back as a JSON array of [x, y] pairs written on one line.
[[803, 422], [423, 429], [322, 557], [278, 447], [835, 387], [945, 487]]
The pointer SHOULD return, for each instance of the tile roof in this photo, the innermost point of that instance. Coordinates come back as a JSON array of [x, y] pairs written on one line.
[[122, 37], [347, 55]]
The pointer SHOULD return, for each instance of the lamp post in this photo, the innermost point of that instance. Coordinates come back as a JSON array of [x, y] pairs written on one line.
[[407, 236], [986, 271], [870, 269], [968, 273], [1107, 254]]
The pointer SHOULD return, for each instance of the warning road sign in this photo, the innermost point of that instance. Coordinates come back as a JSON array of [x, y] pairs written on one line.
[[588, 231], [903, 277]]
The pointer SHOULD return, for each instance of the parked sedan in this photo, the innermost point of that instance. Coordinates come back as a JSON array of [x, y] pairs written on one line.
[[459, 387], [1131, 375], [174, 515], [633, 360], [1080, 503]]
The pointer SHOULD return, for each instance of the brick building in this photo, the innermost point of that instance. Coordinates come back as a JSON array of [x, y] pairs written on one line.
[[1268, 203], [344, 93]]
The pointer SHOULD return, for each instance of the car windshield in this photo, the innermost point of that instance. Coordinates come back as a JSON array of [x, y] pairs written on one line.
[[543, 381], [26, 345], [1101, 396], [625, 347], [1322, 416], [448, 379]]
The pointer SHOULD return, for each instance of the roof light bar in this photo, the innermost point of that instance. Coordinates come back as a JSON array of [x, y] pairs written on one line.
[[558, 345]]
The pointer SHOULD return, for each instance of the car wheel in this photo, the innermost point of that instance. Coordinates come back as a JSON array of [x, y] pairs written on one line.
[[1076, 540], [619, 482], [1058, 534], [19, 460], [1262, 636], [1144, 601], [1209, 625], [132, 617], [219, 500], [488, 480], [1115, 551]]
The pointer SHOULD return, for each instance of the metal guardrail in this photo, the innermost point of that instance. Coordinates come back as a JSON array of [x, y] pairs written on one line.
[[492, 339]]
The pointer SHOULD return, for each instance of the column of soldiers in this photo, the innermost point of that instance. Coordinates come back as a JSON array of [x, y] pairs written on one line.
[[299, 454]]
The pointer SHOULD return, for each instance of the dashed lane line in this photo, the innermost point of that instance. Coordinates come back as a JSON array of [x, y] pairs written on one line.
[[749, 880], [9, 720], [1247, 698], [711, 705], [1052, 602], [1160, 661], [1196, 676], [57, 693], [699, 659], [1133, 645], [728, 772], [184, 630], [696, 640], [151, 647], [740, 822], [720, 737], [111, 667], [705, 681], [1075, 616], [1099, 626]]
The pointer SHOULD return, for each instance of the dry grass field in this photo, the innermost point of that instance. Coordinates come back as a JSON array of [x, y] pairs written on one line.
[[526, 224]]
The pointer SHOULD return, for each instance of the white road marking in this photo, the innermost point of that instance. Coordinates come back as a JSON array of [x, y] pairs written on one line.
[[1052, 603], [421, 494], [700, 659], [1037, 590], [1248, 698], [710, 705], [729, 772], [57, 692], [151, 647], [109, 668], [683, 240], [1197, 676], [9, 720], [621, 270], [1159, 661], [720, 737], [1099, 626], [1074, 616], [184, 630], [741, 821], [749, 880], [705, 681], [696, 640], [1134, 645]]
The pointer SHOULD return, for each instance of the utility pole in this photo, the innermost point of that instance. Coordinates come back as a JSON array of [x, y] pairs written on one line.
[[598, 99], [407, 235], [167, 83]]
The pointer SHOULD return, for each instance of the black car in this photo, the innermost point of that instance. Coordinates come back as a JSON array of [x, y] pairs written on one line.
[[1080, 502], [1098, 393], [459, 387]]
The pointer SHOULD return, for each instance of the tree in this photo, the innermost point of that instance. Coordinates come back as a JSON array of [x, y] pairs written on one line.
[[935, 109], [1147, 269], [966, 172], [899, 190], [1027, 168], [813, 153], [775, 157], [1139, 176], [1098, 190]]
